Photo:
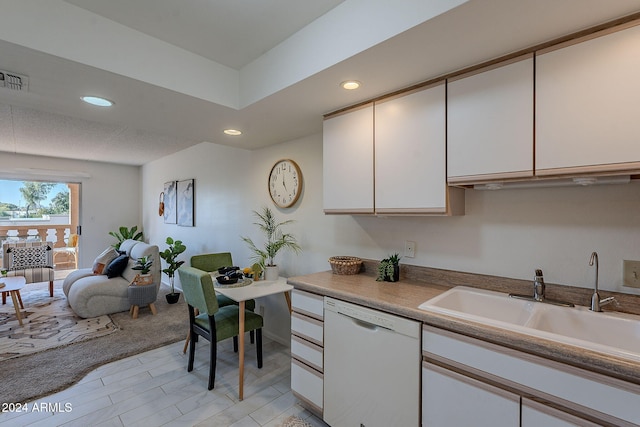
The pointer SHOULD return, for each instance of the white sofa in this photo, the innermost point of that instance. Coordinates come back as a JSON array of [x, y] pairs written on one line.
[[92, 295]]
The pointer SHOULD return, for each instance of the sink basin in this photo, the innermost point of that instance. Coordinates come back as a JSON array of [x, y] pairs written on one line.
[[615, 334], [614, 330], [478, 304]]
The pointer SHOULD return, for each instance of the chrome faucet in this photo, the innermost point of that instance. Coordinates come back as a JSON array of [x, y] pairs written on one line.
[[538, 286], [539, 292], [596, 302]]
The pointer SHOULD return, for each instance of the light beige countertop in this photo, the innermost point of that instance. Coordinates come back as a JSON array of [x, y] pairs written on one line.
[[404, 297]]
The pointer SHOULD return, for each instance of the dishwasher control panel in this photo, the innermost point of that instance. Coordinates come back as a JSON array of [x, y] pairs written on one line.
[[376, 318]]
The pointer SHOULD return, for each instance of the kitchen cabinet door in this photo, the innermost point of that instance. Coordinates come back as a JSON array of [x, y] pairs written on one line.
[[348, 162], [490, 123], [535, 414], [410, 155], [451, 399], [587, 104]]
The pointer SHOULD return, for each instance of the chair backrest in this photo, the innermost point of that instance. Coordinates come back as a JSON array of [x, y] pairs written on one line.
[[22, 255], [198, 290], [211, 262]]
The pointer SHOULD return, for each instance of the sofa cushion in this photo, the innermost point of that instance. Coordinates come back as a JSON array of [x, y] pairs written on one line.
[[117, 266], [103, 260], [21, 258]]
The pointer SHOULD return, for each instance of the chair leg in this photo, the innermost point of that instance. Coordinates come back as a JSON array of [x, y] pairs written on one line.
[[259, 347], [235, 344], [213, 346], [51, 288], [192, 353], [252, 336]]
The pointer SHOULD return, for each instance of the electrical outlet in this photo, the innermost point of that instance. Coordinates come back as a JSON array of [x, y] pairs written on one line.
[[261, 310], [631, 273], [410, 249]]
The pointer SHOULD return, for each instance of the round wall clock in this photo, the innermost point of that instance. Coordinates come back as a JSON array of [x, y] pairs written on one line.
[[285, 183]]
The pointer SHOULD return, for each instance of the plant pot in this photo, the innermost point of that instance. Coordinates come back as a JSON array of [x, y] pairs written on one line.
[[396, 275], [271, 272], [143, 279], [173, 298]]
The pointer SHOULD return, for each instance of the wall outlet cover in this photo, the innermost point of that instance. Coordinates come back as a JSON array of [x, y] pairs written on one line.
[[631, 273]]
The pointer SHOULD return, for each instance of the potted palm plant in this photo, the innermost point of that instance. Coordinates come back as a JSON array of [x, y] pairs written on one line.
[[276, 240], [170, 256]]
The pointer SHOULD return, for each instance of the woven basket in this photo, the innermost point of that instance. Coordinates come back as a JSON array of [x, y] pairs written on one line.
[[345, 265]]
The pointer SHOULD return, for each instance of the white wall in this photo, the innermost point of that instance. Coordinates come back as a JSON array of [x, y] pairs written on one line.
[[506, 233], [110, 198]]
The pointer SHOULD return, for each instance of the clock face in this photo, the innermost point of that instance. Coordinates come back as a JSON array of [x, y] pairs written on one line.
[[285, 183]]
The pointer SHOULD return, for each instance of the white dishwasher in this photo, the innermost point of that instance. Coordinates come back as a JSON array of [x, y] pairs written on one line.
[[371, 367]]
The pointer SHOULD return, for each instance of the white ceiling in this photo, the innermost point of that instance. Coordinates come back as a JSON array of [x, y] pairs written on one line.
[[181, 71]]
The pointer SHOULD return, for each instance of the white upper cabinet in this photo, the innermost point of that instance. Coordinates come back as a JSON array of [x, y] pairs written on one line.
[[410, 157], [588, 105], [490, 123], [348, 162]]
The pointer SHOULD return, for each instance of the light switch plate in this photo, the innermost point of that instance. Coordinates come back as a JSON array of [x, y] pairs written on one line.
[[631, 273]]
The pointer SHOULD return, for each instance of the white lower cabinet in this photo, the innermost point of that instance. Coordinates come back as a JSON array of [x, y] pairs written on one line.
[[451, 399], [466, 381], [535, 414], [307, 358]]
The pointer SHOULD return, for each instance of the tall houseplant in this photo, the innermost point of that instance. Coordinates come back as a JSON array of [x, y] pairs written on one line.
[[125, 233], [170, 256], [276, 240]]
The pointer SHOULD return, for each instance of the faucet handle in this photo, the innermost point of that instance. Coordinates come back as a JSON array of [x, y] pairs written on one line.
[[538, 286]]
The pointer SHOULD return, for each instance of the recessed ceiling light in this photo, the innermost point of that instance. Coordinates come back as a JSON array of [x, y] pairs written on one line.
[[350, 84], [233, 132], [96, 100]]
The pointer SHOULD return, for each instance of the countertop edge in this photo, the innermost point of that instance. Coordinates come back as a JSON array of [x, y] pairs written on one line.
[[589, 360]]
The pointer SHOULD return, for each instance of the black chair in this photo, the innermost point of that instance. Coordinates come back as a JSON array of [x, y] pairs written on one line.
[[213, 323]]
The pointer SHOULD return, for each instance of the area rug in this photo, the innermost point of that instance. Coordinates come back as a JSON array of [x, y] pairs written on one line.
[[29, 377], [46, 323]]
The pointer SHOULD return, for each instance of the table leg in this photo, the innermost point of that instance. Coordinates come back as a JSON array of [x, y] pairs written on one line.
[[241, 305], [16, 306], [288, 298]]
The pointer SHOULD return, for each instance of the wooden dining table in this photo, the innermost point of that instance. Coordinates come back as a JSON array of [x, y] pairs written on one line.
[[241, 294]]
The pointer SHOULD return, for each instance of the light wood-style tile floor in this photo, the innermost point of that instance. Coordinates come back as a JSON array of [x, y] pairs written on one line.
[[155, 389]]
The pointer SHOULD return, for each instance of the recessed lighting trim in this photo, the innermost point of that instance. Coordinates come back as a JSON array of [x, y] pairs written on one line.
[[97, 101], [232, 132], [350, 84]]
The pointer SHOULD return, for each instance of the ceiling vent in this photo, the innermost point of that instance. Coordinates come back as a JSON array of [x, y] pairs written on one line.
[[13, 81]]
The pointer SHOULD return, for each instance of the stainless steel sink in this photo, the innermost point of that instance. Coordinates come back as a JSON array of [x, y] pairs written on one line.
[[611, 333]]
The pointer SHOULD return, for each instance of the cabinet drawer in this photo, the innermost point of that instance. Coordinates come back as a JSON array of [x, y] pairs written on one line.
[[570, 387], [307, 328], [308, 304], [307, 385], [307, 352]]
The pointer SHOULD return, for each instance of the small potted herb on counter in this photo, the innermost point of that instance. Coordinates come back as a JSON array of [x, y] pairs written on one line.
[[389, 269]]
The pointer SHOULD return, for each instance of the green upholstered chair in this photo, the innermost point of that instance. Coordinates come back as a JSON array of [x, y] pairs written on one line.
[[213, 323], [212, 262]]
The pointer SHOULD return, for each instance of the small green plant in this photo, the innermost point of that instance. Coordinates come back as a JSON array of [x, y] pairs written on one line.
[[169, 255], [3, 272], [276, 239], [143, 264], [125, 233], [388, 267]]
